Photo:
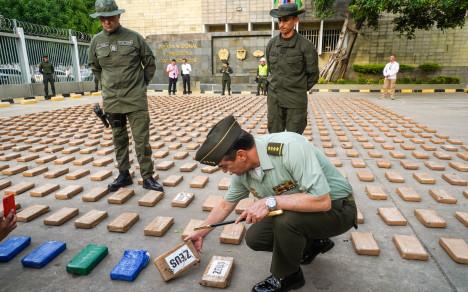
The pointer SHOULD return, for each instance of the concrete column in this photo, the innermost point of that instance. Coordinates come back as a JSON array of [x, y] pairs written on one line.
[[227, 27], [272, 27], [75, 58], [249, 26], [23, 55], [320, 40]]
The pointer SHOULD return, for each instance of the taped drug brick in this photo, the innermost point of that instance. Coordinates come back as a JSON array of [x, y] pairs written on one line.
[[18, 189], [95, 194], [430, 218], [151, 198], [32, 212], [177, 260], [121, 196], [159, 226], [68, 192], [123, 222], [392, 217], [182, 200], [44, 190], [218, 272], [90, 219], [364, 243], [61, 216]]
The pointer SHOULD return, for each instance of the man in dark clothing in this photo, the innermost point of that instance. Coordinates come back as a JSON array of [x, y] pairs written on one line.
[[47, 71]]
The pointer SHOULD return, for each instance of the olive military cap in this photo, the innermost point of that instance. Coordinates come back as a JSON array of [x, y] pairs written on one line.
[[106, 8], [218, 141], [288, 9]]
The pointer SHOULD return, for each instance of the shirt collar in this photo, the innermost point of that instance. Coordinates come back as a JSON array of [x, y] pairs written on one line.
[[288, 42], [118, 30]]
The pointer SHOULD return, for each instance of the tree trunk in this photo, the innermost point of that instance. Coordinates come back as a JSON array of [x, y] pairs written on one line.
[[338, 63]]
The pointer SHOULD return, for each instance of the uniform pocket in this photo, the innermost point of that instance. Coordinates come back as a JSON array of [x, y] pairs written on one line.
[[103, 56], [295, 63]]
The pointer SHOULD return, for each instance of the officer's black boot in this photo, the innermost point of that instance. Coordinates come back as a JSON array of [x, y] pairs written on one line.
[[273, 284], [317, 246], [124, 179], [151, 184]]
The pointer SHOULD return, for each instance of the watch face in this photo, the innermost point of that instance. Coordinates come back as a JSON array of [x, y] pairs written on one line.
[[271, 203]]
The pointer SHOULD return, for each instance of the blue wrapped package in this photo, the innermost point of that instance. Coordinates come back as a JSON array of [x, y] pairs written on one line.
[[130, 265], [43, 254], [13, 246]]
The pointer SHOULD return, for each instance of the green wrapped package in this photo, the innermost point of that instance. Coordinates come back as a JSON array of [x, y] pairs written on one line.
[[85, 261]]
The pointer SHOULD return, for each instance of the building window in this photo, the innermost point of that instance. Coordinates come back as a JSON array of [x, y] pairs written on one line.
[[310, 34], [330, 39]]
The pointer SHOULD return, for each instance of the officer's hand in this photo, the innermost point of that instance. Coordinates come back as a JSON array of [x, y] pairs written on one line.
[[7, 224], [197, 240], [255, 213]]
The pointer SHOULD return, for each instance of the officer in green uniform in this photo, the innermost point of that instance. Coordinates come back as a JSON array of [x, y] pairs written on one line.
[[285, 172], [124, 64], [293, 64], [262, 74], [47, 71], [226, 79]]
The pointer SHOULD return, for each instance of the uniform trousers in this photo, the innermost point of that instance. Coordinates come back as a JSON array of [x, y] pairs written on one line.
[[46, 79], [282, 118], [139, 124], [288, 235]]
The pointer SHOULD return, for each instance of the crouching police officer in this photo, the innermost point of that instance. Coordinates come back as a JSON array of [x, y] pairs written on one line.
[[124, 64], [284, 171]]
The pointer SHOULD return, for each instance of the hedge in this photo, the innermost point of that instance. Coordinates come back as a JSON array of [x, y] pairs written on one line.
[[378, 68]]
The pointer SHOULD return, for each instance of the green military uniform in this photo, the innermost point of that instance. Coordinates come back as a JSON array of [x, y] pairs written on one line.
[[226, 79], [124, 64], [47, 71], [294, 70], [288, 164]]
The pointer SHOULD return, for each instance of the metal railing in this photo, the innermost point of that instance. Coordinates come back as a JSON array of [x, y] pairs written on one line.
[[23, 44]]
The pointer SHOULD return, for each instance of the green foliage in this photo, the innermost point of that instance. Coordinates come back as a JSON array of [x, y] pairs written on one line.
[[429, 67], [322, 81], [368, 68], [444, 80], [70, 14], [410, 15], [378, 68]]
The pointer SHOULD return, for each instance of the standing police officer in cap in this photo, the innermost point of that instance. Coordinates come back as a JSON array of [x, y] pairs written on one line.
[[124, 63], [293, 65], [285, 172]]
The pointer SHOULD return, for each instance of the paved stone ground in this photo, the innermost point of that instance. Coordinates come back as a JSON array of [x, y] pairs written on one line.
[[334, 118]]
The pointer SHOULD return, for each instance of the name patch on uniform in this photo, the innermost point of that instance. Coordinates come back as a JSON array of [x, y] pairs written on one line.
[[102, 45], [125, 43], [284, 187], [275, 149]]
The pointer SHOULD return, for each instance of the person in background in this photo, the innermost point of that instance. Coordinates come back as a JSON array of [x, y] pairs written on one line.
[[262, 75], [47, 71], [390, 74], [173, 73], [186, 70], [226, 79]]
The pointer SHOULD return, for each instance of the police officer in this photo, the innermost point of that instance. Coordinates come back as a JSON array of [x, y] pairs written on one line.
[[47, 71], [262, 74], [124, 64], [226, 79], [293, 64], [285, 172]]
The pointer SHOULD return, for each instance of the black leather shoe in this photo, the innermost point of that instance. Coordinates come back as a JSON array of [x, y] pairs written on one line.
[[124, 179], [151, 184], [318, 246], [273, 284]]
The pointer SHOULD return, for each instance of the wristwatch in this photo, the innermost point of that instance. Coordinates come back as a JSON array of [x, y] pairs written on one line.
[[271, 203]]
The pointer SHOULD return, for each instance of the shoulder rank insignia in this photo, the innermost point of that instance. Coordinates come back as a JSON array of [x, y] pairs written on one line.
[[275, 149]]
